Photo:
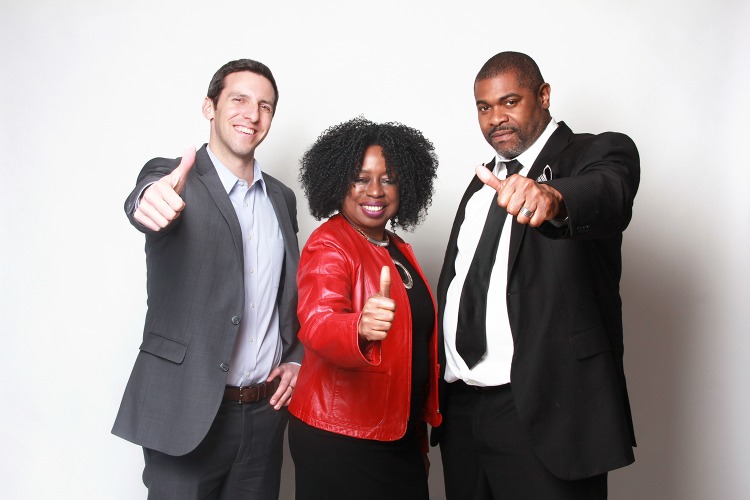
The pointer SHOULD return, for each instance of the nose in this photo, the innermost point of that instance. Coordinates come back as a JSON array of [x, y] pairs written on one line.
[[374, 189], [251, 112], [498, 116]]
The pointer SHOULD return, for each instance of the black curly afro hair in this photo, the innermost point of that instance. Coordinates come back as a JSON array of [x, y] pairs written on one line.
[[333, 162]]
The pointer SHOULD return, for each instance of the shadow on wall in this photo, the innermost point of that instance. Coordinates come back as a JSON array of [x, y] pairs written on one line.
[[654, 289]]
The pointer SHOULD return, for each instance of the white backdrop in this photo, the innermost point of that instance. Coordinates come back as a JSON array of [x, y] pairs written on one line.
[[90, 91]]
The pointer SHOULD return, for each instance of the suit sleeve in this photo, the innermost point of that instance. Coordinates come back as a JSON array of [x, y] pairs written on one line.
[[291, 201], [151, 172], [328, 316], [600, 189], [295, 351]]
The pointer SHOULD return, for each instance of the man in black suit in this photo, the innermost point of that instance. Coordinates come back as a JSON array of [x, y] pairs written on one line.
[[534, 401], [219, 359]]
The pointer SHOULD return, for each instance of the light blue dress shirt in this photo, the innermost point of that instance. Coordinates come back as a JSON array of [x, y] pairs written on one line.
[[257, 349]]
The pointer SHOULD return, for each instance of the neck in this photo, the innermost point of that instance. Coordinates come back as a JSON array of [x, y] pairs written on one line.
[[383, 241], [242, 167]]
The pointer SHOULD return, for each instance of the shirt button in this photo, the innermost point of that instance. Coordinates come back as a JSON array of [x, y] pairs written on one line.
[[224, 367], [251, 340], [235, 320], [252, 305]]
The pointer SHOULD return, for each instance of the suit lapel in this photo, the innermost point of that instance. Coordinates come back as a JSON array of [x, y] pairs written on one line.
[[449, 263], [208, 176], [557, 143], [282, 215]]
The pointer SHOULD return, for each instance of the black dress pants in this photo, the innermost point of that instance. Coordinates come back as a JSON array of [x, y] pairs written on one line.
[[487, 456]]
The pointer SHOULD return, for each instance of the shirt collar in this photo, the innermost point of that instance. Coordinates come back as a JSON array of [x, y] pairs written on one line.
[[528, 157], [228, 179]]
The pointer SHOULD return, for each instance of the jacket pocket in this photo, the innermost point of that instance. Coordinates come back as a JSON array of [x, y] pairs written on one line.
[[360, 398], [589, 343], [163, 347]]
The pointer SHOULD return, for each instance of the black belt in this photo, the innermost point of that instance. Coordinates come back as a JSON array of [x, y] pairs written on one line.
[[251, 393], [461, 385]]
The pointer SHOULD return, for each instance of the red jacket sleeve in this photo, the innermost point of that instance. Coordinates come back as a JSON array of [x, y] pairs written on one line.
[[330, 305]]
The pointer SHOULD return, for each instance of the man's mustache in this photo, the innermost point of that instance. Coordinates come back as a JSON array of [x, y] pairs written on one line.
[[502, 127]]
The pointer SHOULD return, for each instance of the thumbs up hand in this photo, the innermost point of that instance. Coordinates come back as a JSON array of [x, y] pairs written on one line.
[[530, 202], [161, 203], [379, 310], [385, 282]]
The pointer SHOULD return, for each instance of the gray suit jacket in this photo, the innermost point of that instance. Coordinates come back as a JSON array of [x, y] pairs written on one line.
[[195, 303]]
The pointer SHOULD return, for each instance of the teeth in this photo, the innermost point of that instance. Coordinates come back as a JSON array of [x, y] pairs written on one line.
[[245, 130], [371, 208]]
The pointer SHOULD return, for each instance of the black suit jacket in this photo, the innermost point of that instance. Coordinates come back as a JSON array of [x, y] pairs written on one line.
[[564, 307], [195, 302]]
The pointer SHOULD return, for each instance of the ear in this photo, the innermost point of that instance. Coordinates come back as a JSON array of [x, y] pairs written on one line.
[[544, 92], [208, 109]]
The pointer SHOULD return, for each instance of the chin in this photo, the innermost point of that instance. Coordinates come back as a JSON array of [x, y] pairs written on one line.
[[509, 152]]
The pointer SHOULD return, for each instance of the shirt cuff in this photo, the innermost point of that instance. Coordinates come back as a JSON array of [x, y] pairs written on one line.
[[137, 202]]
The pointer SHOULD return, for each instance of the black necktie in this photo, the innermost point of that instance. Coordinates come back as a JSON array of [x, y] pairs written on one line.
[[471, 335]]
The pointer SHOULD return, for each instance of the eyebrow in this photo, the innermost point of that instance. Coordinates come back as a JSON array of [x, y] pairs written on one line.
[[503, 98], [245, 96]]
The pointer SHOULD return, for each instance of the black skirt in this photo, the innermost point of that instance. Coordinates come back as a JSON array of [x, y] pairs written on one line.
[[330, 466]]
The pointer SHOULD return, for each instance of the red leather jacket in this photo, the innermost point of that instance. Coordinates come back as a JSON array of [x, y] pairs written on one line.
[[345, 386]]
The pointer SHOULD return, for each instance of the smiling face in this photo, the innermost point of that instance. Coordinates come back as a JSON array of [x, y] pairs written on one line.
[[373, 197], [241, 117], [511, 117]]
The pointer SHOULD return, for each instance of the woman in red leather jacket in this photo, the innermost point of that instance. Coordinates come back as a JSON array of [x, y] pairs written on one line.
[[367, 387]]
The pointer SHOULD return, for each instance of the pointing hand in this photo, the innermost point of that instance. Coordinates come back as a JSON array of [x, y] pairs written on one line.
[[531, 202]]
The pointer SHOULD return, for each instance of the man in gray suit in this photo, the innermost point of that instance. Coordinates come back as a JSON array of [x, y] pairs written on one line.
[[219, 360]]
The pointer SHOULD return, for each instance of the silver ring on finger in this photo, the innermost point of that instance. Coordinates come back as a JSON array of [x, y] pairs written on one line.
[[526, 212]]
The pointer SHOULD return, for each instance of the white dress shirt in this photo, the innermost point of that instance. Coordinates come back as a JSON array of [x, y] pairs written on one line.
[[494, 368]]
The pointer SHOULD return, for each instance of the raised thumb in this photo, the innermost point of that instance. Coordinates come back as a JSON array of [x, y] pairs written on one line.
[[486, 176], [179, 174], [385, 282]]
